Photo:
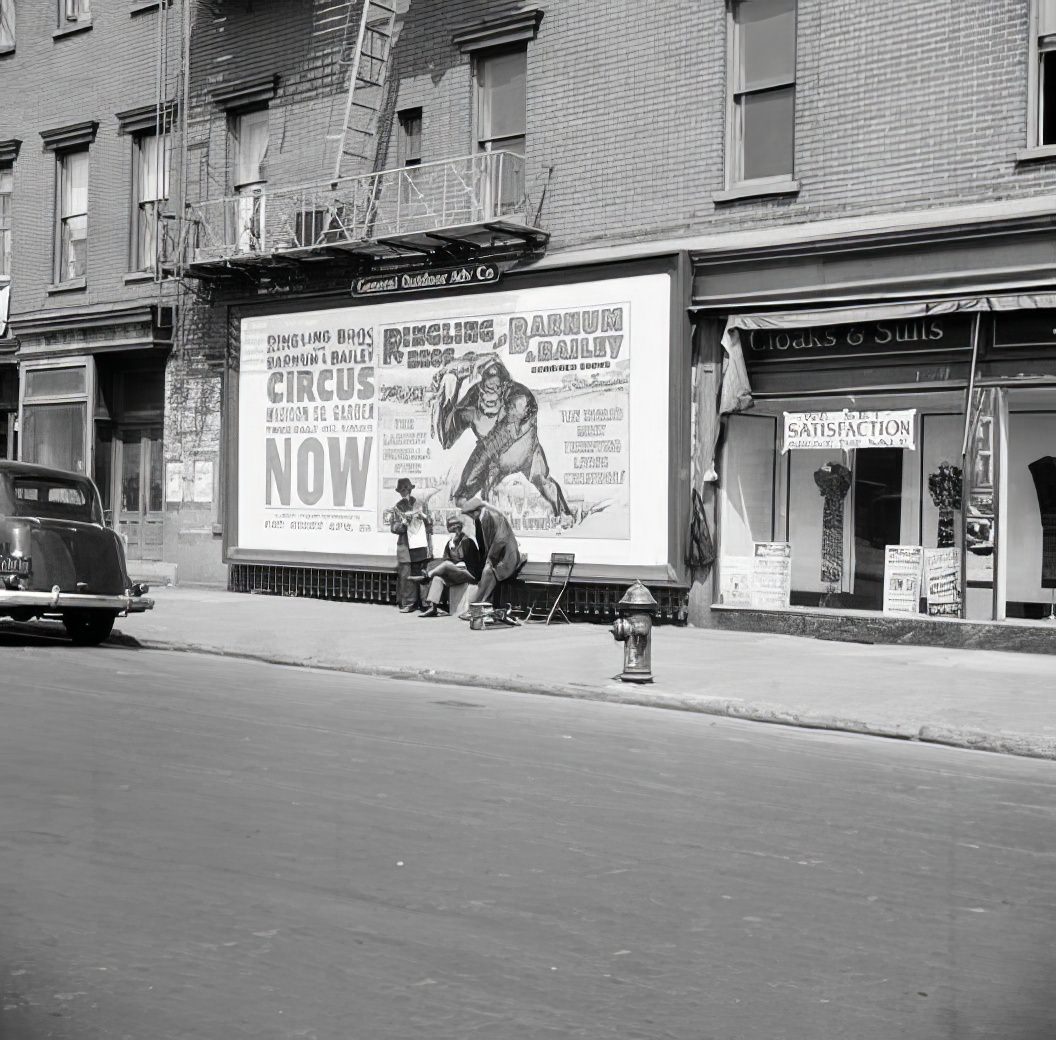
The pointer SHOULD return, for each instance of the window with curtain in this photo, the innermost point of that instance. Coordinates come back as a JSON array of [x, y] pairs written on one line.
[[250, 140], [762, 89], [7, 182], [1044, 72], [7, 25], [251, 149], [410, 145], [75, 10], [72, 253], [53, 435], [151, 158], [501, 118]]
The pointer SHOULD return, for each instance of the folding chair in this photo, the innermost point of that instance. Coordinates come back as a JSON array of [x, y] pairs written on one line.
[[561, 565]]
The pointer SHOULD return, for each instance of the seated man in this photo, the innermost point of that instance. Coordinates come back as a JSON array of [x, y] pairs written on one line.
[[498, 546], [460, 566]]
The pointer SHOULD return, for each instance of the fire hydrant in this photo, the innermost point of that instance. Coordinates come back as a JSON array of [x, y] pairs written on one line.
[[634, 628]]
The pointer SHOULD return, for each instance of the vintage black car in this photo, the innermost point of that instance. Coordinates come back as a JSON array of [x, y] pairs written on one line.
[[58, 559]]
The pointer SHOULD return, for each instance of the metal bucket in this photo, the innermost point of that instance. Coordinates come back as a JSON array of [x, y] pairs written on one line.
[[476, 615]]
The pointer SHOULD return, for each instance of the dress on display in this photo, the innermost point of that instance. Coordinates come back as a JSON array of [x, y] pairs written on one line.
[[1043, 471], [945, 486], [834, 481]]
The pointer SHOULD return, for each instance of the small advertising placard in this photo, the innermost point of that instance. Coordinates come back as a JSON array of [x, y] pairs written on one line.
[[735, 581], [848, 430], [902, 568], [942, 568], [772, 575]]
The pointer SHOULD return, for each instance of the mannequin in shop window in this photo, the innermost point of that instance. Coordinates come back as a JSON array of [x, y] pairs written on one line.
[[945, 486], [1043, 471], [834, 481]]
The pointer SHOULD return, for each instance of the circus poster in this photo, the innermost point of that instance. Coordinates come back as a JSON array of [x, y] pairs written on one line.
[[551, 403]]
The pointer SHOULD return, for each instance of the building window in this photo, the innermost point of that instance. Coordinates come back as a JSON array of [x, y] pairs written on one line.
[[7, 26], [150, 171], [55, 417], [1043, 73], [410, 145], [762, 90], [501, 120], [7, 184], [250, 141], [72, 231], [72, 12]]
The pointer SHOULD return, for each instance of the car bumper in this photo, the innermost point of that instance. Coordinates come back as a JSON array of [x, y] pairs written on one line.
[[57, 600]]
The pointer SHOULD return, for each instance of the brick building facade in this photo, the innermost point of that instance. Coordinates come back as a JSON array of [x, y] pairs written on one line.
[[89, 326], [805, 160]]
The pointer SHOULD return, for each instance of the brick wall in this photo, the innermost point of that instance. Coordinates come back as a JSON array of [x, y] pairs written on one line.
[[899, 105], [53, 82]]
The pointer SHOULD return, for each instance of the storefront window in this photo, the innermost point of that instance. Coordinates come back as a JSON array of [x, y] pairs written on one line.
[[53, 435], [54, 382], [1030, 509], [54, 413], [840, 507]]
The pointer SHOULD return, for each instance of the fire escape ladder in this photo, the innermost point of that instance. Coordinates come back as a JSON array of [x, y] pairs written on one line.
[[352, 136]]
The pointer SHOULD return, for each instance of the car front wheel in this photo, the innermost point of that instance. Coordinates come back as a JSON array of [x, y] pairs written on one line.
[[88, 627]]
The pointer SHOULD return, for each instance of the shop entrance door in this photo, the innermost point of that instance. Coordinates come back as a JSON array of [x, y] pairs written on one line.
[[138, 491], [877, 520]]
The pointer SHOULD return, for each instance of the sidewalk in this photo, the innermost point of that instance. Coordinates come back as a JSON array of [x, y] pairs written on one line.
[[992, 701]]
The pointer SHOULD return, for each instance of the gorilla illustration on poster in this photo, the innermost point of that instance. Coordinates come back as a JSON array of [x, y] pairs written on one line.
[[504, 416]]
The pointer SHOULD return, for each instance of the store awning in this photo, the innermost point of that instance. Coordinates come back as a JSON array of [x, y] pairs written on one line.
[[736, 390], [799, 319]]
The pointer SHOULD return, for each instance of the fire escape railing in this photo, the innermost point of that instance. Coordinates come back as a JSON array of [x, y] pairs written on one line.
[[474, 189]]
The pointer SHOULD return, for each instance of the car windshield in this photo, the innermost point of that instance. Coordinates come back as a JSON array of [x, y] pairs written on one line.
[[52, 498]]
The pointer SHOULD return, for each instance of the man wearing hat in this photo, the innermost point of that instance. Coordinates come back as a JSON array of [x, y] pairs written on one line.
[[413, 527], [498, 545], [460, 566]]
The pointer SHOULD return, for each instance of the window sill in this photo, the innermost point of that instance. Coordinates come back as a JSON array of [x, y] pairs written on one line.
[[757, 190], [140, 6], [71, 29], [73, 285], [138, 276], [1039, 153]]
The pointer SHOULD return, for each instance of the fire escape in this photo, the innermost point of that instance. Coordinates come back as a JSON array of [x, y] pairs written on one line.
[[361, 220]]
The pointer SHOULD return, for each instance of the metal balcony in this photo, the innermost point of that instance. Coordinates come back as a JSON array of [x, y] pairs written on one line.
[[468, 204]]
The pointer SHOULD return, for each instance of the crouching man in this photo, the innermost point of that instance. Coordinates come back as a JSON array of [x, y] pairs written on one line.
[[498, 547], [460, 565]]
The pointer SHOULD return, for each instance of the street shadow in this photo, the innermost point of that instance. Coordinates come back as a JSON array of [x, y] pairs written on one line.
[[28, 635]]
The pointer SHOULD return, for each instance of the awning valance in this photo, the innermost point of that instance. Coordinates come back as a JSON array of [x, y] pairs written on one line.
[[871, 312]]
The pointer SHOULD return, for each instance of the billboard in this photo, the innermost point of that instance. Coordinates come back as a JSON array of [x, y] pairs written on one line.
[[549, 402]]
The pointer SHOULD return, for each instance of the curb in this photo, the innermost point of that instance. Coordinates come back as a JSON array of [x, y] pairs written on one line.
[[1019, 745]]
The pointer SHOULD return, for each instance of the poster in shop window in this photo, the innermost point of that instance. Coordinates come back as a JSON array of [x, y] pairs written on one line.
[[902, 570], [772, 575], [846, 430], [550, 402], [943, 576], [735, 589]]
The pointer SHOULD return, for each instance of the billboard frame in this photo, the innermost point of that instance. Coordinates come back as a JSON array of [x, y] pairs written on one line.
[[675, 265]]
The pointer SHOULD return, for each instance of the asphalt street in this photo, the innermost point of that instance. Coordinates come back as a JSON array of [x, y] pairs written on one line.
[[193, 847]]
